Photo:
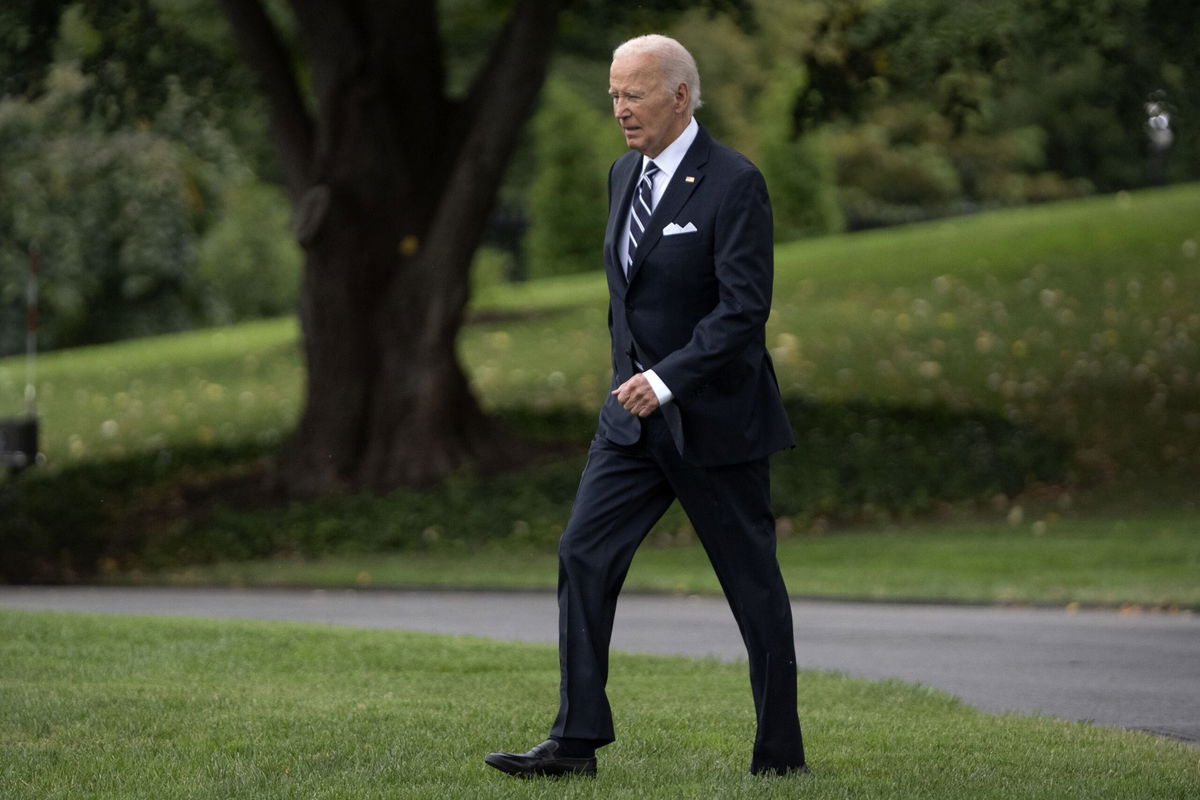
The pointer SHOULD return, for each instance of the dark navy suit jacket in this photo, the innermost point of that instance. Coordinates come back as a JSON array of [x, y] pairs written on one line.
[[695, 305]]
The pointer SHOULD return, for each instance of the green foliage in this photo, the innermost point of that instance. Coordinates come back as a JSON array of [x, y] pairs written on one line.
[[116, 218], [124, 126], [797, 168], [48, 540], [1084, 73], [27, 29], [856, 457], [122, 218], [138, 53], [799, 175], [249, 263], [906, 163], [185, 708], [749, 84], [568, 200], [957, 105], [734, 71], [884, 182]]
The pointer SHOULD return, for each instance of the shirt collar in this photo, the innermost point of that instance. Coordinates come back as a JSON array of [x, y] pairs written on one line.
[[668, 160]]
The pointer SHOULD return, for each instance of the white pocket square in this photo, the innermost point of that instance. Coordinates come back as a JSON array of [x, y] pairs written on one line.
[[673, 229]]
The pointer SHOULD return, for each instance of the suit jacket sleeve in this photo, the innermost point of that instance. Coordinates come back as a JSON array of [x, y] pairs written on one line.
[[743, 259]]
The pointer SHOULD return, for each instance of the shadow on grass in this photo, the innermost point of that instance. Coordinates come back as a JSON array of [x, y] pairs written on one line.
[[185, 506]]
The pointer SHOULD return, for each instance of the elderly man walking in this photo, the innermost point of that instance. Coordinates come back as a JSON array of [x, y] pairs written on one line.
[[694, 409]]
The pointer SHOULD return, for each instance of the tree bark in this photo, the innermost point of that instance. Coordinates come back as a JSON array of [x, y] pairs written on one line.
[[391, 183]]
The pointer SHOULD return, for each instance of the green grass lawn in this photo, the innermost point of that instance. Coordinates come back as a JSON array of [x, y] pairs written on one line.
[[1073, 323], [128, 707], [1150, 561]]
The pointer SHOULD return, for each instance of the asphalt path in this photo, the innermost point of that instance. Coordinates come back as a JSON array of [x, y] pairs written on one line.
[[1139, 671]]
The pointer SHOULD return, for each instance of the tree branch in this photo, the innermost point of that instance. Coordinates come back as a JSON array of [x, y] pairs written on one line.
[[516, 65], [291, 124], [372, 60], [497, 109]]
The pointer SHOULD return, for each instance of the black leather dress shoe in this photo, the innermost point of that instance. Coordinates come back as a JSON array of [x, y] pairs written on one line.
[[543, 759]]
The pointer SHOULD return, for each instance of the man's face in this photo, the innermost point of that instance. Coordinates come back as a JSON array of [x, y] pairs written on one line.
[[650, 116]]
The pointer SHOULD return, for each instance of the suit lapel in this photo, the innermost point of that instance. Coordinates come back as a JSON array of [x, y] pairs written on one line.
[[677, 194], [625, 176]]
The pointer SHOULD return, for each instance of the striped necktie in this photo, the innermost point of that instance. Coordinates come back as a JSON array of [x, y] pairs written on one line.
[[639, 213]]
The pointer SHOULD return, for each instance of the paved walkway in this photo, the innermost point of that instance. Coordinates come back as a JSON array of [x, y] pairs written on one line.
[[1133, 671]]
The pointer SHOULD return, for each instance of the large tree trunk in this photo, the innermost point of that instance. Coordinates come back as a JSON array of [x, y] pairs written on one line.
[[392, 183], [387, 402]]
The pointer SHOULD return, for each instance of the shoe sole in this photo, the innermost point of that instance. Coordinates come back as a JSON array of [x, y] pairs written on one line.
[[520, 771]]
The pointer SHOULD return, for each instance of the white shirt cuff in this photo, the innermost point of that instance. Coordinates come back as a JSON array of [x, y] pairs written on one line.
[[661, 391]]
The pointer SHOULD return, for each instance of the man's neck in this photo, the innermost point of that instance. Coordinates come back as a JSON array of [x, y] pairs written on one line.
[[683, 127], [672, 155]]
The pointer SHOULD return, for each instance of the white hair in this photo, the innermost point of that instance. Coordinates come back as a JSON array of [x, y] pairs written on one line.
[[675, 62]]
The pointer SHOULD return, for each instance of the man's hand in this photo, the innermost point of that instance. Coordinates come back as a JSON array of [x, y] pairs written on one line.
[[637, 396]]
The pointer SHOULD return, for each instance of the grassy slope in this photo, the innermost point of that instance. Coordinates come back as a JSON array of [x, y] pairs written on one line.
[[1079, 319], [154, 708], [225, 385]]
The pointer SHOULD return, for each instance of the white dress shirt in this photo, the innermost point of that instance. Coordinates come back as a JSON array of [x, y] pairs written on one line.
[[667, 162]]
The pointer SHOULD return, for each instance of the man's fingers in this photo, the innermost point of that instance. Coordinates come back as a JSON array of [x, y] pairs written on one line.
[[637, 396]]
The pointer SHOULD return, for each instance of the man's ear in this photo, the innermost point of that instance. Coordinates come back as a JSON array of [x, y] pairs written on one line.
[[681, 98]]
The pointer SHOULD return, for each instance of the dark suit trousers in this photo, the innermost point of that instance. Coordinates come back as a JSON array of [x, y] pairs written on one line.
[[624, 490]]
